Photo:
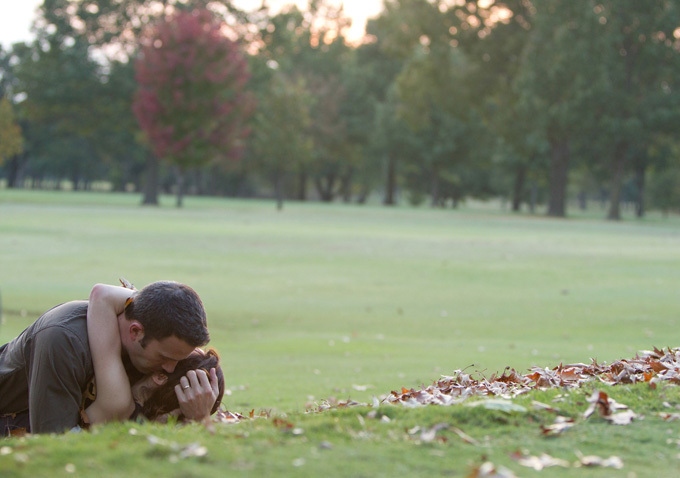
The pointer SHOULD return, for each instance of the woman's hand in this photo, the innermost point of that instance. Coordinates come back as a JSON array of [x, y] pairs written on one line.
[[197, 393]]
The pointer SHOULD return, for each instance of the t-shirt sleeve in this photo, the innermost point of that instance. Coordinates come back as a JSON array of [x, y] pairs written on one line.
[[57, 374]]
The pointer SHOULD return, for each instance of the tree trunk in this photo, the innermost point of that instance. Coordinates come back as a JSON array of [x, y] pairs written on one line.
[[15, 169], [559, 172], [363, 194], [302, 186], [180, 187], [618, 166], [582, 200], [278, 187], [518, 189], [325, 190], [533, 197], [151, 186], [75, 181], [346, 188], [391, 181], [640, 186], [434, 188]]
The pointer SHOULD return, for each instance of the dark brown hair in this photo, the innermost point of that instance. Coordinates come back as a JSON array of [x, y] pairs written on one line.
[[167, 308], [164, 400]]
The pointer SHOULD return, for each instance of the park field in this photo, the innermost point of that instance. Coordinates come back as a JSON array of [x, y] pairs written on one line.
[[346, 301]]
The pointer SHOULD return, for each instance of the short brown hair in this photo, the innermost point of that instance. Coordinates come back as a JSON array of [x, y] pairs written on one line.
[[167, 308]]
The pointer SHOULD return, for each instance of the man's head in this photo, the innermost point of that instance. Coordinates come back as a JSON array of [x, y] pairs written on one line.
[[165, 322]]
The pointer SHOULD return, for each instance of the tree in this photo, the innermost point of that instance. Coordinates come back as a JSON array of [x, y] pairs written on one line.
[[114, 24], [11, 140], [664, 183], [122, 148], [493, 36], [61, 84], [375, 72], [11, 137], [310, 45], [191, 102], [560, 84], [281, 132], [642, 60]]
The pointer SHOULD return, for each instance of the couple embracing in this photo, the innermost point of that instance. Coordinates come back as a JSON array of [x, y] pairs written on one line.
[[122, 354]]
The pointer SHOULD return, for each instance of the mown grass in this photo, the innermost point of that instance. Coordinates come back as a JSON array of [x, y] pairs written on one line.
[[363, 441], [348, 301]]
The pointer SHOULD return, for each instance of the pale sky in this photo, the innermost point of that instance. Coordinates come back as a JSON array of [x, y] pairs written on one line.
[[16, 16]]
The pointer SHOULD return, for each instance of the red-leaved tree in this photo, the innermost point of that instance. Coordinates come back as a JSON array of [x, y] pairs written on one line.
[[191, 100]]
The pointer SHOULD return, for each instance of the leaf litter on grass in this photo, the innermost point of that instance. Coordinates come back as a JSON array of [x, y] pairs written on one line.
[[652, 367]]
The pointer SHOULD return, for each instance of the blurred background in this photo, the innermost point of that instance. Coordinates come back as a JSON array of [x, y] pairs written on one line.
[[371, 194], [412, 101]]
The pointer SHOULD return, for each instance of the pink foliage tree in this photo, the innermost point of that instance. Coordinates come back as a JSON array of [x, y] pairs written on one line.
[[191, 100]]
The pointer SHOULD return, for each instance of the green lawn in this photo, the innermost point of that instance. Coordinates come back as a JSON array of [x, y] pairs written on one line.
[[345, 301]]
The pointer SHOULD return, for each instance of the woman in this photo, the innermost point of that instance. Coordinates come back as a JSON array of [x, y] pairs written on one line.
[[193, 390], [159, 402]]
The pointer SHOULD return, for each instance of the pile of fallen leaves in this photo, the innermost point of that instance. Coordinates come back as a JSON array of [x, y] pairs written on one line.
[[652, 367]]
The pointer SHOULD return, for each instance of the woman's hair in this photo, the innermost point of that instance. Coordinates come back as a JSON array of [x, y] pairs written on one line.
[[164, 400]]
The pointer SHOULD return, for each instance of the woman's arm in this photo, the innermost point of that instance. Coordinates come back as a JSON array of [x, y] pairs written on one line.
[[114, 397]]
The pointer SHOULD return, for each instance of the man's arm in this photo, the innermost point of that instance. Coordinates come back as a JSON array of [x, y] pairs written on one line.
[[57, 373]]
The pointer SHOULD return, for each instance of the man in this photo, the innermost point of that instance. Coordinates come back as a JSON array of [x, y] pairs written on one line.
[[45, 372]]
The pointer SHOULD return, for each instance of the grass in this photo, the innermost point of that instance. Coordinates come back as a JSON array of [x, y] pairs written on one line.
[[347, 301]]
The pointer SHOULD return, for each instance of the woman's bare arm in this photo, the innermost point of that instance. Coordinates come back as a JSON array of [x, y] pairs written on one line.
[[114, 398]]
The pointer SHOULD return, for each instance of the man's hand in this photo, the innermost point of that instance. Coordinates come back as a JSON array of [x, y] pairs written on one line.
[[197, 394]]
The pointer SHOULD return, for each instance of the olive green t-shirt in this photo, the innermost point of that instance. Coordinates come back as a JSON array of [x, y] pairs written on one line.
[[46, 369]]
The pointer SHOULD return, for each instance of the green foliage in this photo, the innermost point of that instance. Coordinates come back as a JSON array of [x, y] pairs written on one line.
[[64, 127], [11, 140], [664, 190], [501, 98], [116, 25], [281, 141]]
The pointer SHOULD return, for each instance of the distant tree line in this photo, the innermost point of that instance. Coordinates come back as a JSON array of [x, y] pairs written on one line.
[[536, 102]]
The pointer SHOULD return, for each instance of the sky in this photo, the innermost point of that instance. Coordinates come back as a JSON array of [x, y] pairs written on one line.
[[16, 16]]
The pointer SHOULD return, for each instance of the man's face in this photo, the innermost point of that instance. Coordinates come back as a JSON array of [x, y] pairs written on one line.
[[158, 355]]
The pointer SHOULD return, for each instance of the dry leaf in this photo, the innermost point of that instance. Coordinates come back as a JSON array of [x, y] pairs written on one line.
[[606, 406], [224, 416], [193, 449], [622, 418], [126, 284], [502, 405], [560, 425], [428, 435], [538, 463], [653, 367], [465, 437], [593, 460], [670, 417], [543, 406], [489, 470]]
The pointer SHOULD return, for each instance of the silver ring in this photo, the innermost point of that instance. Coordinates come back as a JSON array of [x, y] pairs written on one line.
[[186, 386]]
